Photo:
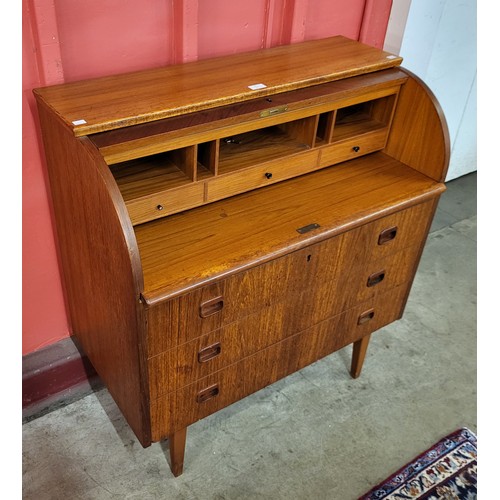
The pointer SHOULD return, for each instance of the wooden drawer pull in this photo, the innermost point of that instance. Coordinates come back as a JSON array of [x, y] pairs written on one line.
[[211, 306], [366, 316], [387, 235], [208, 393], [375, 278], [209, 352]]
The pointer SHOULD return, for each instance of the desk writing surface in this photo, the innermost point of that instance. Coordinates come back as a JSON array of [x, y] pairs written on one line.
[[210, 242]]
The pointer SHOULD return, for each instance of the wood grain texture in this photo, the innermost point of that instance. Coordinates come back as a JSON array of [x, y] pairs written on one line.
[[246, 292], [177, 445], [180, 409], [184, 251], [316, 283], [100, 266], [163, 326], [123, 100], [296, 311], [358, 355], [419, 135]]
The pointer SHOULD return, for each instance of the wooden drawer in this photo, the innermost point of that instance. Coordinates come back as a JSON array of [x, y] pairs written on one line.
[[198, 358], [213, 306], [353, 147], [387, 235], [165, 202], [352, 286], [372, 278], [222, 388], [263, 175]]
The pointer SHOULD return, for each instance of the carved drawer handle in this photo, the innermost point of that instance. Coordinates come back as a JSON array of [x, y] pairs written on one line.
[[375, 278], [366, 316], [208, 393], [211, 307], [209, 353], [387, 235]]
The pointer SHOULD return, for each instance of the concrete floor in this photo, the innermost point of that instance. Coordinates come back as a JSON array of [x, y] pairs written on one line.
[[318, 434]]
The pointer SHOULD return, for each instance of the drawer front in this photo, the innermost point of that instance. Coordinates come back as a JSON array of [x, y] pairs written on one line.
[[198, 358], [387, 235], [373, 278], [353, 148], [263, 175], [344, 282], [213, 306], [166, 202], [222, 388]]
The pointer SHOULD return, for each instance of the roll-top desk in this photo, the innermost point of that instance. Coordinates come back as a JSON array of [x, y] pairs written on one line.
[[224, 223]]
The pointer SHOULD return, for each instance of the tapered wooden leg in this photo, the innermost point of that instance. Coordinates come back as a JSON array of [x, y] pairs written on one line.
[[358, 355], [177, 445]]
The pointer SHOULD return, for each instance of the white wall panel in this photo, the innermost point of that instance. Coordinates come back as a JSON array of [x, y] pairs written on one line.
[[439, 45]]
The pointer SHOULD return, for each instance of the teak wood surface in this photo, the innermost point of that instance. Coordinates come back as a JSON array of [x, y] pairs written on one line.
[[179, 409], [101, 268], [123, 100], [207, 243]]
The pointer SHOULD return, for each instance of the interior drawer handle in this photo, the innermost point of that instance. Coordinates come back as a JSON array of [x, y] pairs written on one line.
[[211, 306], [208, 393], [209, 352], [375, 278], [387, 235], [366, 316]]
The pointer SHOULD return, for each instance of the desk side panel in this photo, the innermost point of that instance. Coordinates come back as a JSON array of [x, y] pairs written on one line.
[[419, 134], [100, 265]]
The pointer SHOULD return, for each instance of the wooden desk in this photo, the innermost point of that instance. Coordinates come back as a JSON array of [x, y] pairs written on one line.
[[224, 223]]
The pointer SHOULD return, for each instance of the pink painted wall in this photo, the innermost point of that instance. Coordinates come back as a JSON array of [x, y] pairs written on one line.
[[68, 40]]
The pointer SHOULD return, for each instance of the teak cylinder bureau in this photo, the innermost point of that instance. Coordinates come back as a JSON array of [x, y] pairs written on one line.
[[224, 223]]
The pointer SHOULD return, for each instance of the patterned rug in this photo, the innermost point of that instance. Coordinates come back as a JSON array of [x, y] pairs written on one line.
[[448, 471]]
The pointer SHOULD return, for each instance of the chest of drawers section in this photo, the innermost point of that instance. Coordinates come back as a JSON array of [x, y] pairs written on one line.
[[322, 297]]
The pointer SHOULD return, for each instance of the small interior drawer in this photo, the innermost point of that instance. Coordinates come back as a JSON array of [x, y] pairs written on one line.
[[353, 147], [266, 173], [165, 202]]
